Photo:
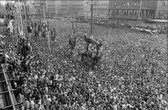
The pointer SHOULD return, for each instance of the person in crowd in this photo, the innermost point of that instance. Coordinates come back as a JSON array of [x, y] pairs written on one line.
[[39, 29], [98, 55], [72, 42], [29, 30], [35, 29], [10, 27], [44, 29], [25, 49], [89, 41], [53, 34]]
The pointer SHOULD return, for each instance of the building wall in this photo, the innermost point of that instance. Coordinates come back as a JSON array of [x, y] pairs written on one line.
[[50, 8], [119, 9], [101, 8], [64, 7], [76, 7], [130, 9], [72, 7], [151, 4], [36, 8], [58, 6], [86, 8], [162, 9], [32, 10]]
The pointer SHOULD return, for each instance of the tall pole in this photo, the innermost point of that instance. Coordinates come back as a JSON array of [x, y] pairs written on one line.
[[21, 30], [26, 20], [48, 36], [76, 27], [139, 10], [114, 14], [44, 16], [91, 17], [39, 14], [5, 13]]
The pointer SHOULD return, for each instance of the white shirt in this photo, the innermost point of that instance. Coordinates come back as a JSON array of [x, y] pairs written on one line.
[[32, 104], [46, 89], [10, 26], [27, 104], [36, 77], [115, 107]]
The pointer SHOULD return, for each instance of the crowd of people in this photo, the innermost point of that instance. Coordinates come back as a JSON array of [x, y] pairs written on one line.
[[134, 80]]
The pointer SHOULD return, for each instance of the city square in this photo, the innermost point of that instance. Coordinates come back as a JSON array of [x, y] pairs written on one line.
[[83, 55]]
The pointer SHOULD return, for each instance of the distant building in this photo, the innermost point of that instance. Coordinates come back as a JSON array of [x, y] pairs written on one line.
[[52, 7], [148, 9], [134, 9], [64, 7], [32, 8], [101, 8], [72, 7], [162, 9], [37, 8], [129, 9], [58, 6], [76, 7], [86, 8]]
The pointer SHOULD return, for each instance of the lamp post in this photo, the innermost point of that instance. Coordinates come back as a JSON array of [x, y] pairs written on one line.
[[21, 19], [91, 31], [139, 10], [114, 14], [91, 9], [44, 15]]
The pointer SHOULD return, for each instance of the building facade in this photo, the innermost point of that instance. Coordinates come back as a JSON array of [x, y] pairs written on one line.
[[101, 8], [37, 9], [64, 7], [72, 7], [162, 9], [52, 7], [132, 9], [76, 8]]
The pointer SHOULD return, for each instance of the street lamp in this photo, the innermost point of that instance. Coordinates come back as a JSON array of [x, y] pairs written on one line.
[[139, 10], [114, 13], [43, 5], [91, 9]]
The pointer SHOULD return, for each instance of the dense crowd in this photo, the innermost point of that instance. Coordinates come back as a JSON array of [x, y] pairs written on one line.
[[129, 76]]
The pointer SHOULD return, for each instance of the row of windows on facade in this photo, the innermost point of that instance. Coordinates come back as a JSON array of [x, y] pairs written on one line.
[[132, 12]]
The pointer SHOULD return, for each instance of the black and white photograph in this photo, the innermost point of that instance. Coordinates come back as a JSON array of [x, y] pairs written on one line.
[[83, 55]]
